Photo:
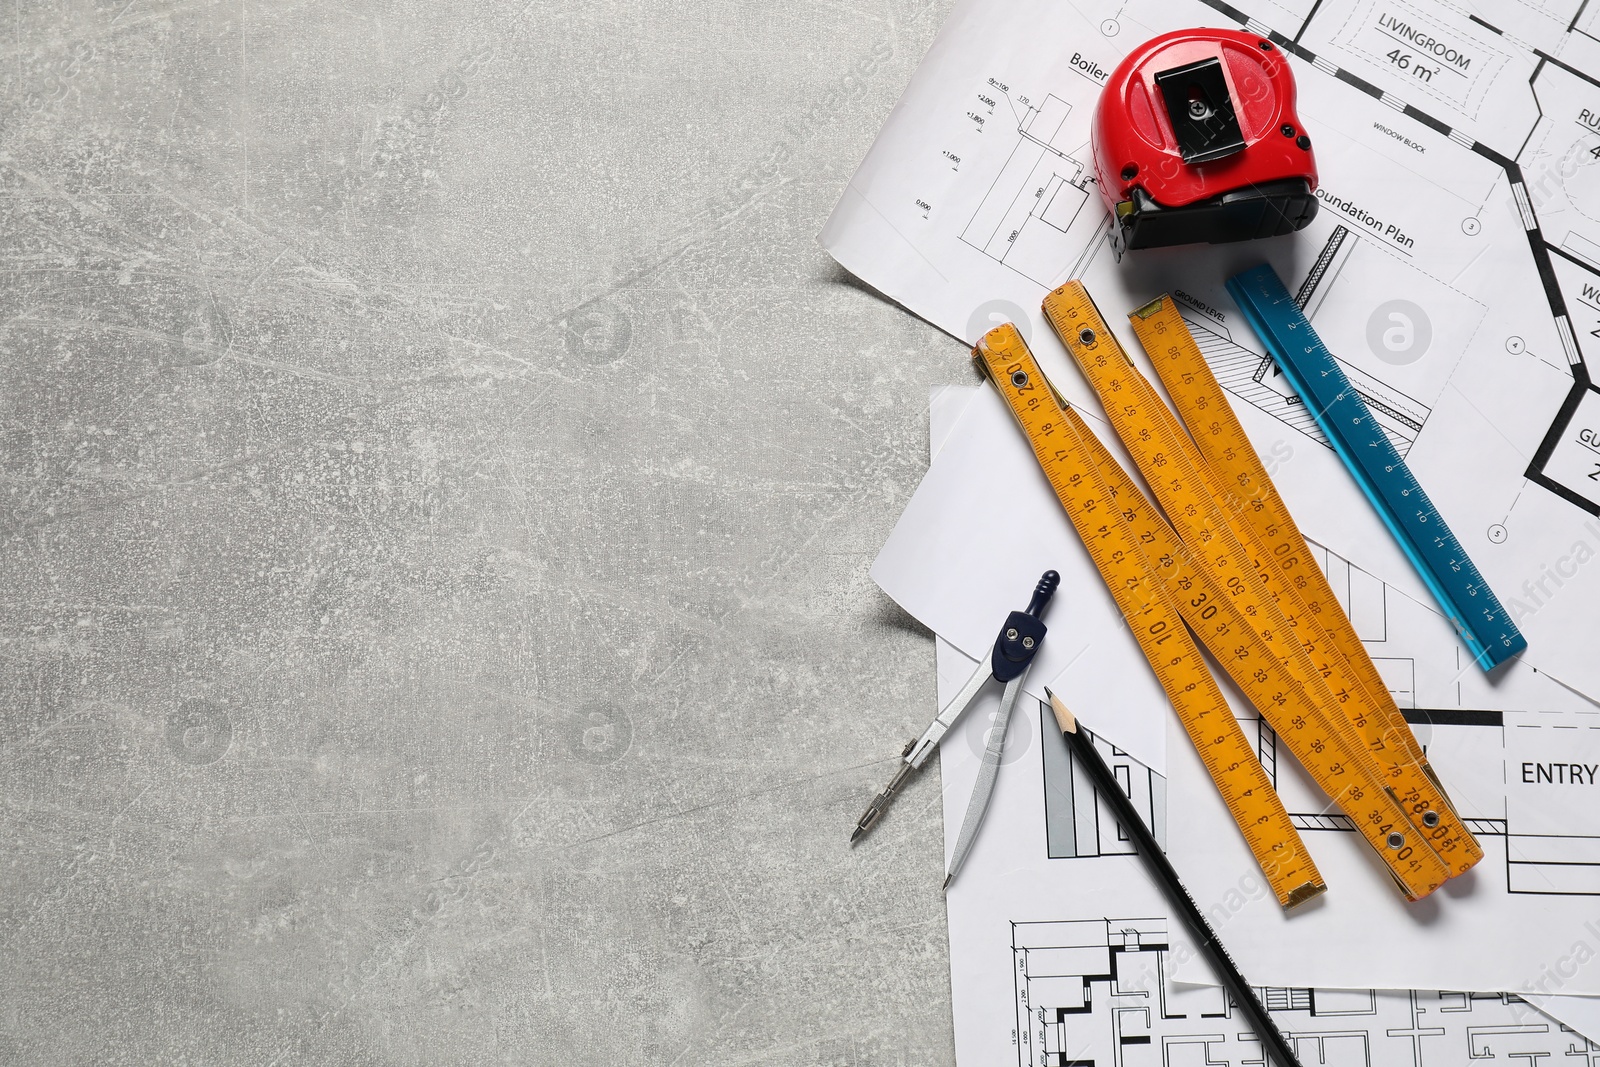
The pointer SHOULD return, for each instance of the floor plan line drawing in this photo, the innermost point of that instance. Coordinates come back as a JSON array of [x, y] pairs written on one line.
[[1533, 865], [1033, 220], [1077, 826], [1564, 433], [1026, 221], [1044, 202], [1254, 378], [1506, 190], [1502, 196], [1097, 993]]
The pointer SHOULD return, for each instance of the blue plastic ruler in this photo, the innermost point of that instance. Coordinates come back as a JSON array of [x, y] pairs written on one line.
[[1361, 442]]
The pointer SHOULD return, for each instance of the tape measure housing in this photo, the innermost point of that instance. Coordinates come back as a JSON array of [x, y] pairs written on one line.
[[1196, 140]]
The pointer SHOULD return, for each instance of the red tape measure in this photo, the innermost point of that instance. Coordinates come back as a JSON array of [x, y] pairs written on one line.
[[1196, 140]]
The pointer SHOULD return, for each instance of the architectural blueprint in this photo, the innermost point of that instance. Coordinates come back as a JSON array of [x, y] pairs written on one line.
[[1063, 952], [1098, 991], [1454, 268]]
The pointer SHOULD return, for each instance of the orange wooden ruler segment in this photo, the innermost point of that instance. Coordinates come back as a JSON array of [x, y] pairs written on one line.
[[1183, 485], [1293, 574], [1059, 439], [1337, 765], [1236, 617], [1220, 437]]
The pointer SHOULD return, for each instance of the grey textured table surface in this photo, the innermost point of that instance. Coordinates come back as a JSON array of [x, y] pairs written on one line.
[[441, 472]]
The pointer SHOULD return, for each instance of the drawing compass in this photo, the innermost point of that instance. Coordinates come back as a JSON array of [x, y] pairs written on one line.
[[1013, 654]]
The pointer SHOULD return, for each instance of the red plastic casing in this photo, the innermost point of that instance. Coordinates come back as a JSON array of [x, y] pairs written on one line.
[[1131, 128]]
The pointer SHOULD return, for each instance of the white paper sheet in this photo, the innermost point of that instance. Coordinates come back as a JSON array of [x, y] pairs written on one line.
[[974, 539], [1476, 222], [1580, 1013]]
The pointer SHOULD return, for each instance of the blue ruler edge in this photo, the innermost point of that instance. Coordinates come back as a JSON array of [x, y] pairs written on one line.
[[1365, 447]]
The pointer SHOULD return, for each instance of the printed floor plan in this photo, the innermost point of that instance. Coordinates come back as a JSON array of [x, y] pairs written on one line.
[[1099, 993]]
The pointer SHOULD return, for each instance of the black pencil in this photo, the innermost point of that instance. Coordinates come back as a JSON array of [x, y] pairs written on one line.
[[1081, 743]]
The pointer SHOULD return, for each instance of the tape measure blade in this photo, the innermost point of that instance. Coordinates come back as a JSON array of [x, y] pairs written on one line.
[[1370, 455], [1058, 438], [1262, 522]]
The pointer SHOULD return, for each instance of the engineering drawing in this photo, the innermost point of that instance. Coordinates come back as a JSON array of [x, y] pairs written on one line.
[[1033, 218], [1098, 993]]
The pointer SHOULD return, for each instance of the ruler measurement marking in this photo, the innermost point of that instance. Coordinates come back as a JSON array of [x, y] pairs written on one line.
[[1324, 661], [1148, 607], [1193, 387], [1272, 691], [1339, 767], [1384, 477], [1344, 770]]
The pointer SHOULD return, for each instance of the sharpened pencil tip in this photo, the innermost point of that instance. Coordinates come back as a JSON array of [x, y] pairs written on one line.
[[1064, 718], [947, 880]]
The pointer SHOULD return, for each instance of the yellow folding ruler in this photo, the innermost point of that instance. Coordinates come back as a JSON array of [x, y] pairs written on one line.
[[1117, 532], [1243, 481], [1192, 495], [1241, 583]]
